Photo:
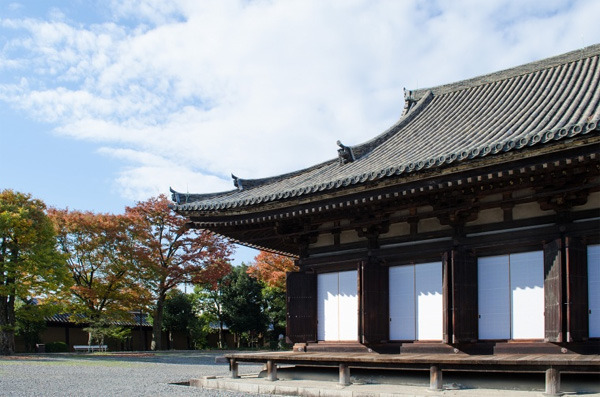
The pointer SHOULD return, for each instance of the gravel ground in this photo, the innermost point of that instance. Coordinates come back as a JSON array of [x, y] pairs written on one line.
[[98, 374], [166, 373]]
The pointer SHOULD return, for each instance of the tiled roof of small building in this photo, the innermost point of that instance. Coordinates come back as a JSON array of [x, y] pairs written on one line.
[[65, 318], [512, 110]]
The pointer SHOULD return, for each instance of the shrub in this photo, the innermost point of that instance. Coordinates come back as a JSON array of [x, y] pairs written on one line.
[[57, 347]]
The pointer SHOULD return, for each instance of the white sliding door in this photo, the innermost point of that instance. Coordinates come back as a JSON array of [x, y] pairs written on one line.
[[493, 297], [327, 306], [428, 292], [337, 306], [527, 289], [416, 302], [348, 306], [402, 303], [593, 252], [511, 296]]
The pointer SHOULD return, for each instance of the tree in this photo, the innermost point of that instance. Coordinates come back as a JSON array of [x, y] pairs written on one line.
[[208, 302], [30, 321], [29, 261], [274, 301], [242, 304], [101, 328], [172, 253], [179, 316], [101, 261], [271, 269]]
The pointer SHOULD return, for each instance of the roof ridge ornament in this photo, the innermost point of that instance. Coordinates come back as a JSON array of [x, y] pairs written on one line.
[[409, 100], [237, 182], [345, 153], [177, 197]]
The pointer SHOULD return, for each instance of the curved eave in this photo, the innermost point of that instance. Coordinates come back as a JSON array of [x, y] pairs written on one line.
[[466, 156], [402, 184]]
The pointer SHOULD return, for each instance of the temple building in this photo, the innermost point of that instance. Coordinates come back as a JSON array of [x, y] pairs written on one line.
[[471, 225]]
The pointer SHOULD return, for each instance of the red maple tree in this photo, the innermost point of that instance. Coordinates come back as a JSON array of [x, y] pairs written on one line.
[[171, 253], [271, 268]]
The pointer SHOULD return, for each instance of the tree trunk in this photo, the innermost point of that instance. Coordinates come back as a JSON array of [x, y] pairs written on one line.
[[7, 333], [220, 345], [7, 342], [157, 324]]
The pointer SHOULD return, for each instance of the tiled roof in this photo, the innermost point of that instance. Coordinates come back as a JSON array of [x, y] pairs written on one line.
[[514, 110], [65, 318]]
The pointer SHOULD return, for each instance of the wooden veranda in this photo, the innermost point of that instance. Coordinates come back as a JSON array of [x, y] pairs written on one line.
[[550, 364]]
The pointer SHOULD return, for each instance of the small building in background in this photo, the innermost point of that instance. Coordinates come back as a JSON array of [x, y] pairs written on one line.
[[63, 328]]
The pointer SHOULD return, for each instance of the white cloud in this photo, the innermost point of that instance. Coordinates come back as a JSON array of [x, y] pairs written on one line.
[[14, 6], [195, 90], [153, 175]]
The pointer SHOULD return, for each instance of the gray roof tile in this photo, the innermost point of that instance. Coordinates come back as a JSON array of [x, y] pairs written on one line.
[[533, 104], [65, 318]]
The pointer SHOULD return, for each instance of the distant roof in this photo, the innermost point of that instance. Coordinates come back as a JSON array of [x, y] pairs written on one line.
[[518, 109], [65, 318]]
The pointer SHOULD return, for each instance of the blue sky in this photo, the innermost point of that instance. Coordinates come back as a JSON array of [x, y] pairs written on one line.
[[104, 103]]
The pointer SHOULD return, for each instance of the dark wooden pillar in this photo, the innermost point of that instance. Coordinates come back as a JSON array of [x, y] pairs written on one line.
[[565, 290], [447, 297], [459, 286], [301, 307], [374, 301], [553, 291], [68, 336], [576, 290]]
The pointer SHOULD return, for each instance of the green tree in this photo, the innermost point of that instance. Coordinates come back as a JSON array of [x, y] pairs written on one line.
[[30, 264], [101, 328], [208, 303], [179, 316], [274, 299], [30, 321], [243, 305]]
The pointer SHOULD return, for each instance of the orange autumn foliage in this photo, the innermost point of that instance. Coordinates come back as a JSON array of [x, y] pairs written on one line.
[[101, 259], [271, 269]]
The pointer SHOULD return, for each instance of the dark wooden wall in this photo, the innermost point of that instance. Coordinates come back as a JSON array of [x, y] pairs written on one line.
[[565, 295]]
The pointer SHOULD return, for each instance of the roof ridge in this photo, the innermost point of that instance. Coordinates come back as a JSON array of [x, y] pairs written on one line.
[[242, 183], [547, 63], [182, 198]]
